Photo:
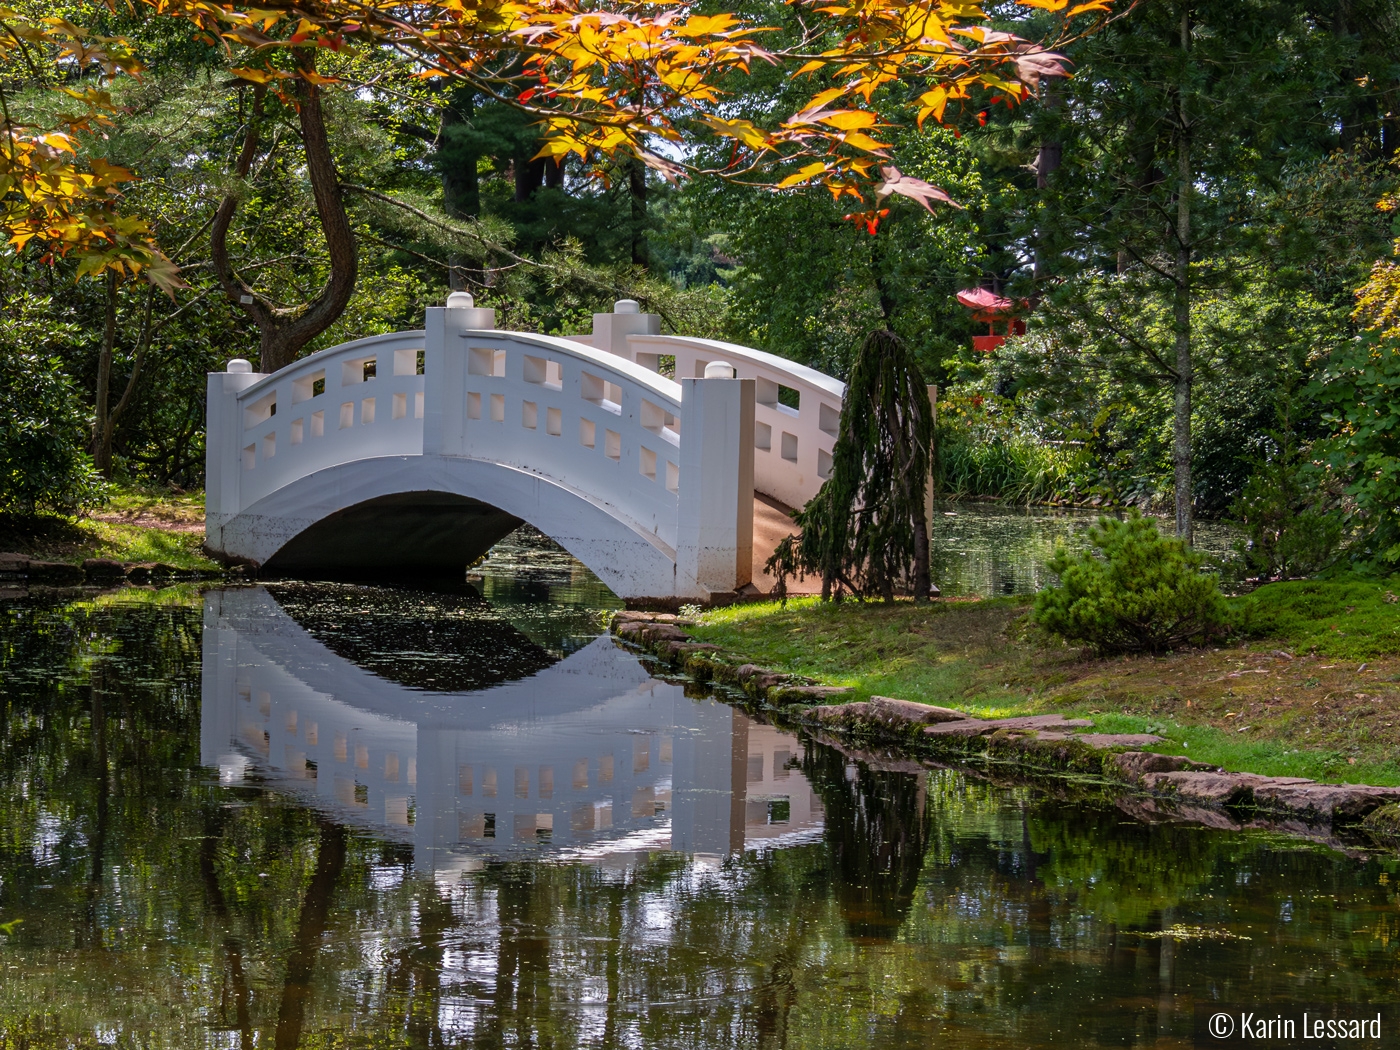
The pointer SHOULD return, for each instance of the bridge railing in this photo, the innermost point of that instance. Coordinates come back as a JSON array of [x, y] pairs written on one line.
[[350, 402], [797, 409], [591, 421], [672, 462]]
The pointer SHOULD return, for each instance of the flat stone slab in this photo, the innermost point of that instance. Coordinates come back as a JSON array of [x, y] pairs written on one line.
[[893, 712], [1323, 801], [1137, 763], [806, 694], [1216, 788], [1104, 741], [971, 727]]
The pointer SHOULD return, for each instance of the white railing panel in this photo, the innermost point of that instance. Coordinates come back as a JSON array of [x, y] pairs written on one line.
[[590, 420], [327, 413], [792, 446]]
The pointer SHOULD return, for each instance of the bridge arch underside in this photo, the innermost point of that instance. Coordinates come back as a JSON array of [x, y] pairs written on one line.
[[435, 515]]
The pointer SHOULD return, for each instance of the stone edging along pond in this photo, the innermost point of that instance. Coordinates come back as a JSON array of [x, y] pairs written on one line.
[[1152, 785]]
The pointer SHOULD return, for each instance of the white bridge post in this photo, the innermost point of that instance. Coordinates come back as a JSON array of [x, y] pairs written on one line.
[[445, 372], [222, 433], [714, 527]]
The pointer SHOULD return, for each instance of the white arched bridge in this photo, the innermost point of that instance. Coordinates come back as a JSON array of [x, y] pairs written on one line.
[[417, 451]]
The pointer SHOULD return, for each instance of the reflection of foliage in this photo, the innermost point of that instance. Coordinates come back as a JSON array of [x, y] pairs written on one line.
[[936, 902], [443, 642], [877, 830]]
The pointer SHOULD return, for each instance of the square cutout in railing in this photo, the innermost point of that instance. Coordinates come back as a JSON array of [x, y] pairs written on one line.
[[529, 415], [498, 408], [400, 408], [789, 447], [360, 370], [264, 408], [762, 436], [297, 429], [612, 445], [544, 371], [308, 386], [647, 463], [473, 405], [771, 394], [587, 433], [484, 362], [554, 422], [318, 424]]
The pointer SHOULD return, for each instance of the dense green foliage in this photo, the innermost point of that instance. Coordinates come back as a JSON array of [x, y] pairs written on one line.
[[44, 465], [1361, 387], [1136, 591], [1186, 221]]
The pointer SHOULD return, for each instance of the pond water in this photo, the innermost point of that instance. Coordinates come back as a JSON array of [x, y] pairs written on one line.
[[991, 548], [318, 816]]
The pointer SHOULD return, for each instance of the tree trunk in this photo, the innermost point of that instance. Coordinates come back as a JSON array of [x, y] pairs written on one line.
[[1181, 307], [284, 330], [1047, 162], [311, 927], [101, 425], [637, 191], [923, 578], [461, 186]]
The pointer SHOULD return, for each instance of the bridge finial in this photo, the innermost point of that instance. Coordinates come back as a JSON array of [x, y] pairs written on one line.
[[240, 365], [627, 306], [460, 301], [719, 370]]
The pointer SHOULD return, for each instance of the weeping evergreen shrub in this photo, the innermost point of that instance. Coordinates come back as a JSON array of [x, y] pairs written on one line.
[[1135, 591], [866, 530]]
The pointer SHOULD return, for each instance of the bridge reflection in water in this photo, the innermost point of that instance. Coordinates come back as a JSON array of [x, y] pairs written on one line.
[[590, 758]]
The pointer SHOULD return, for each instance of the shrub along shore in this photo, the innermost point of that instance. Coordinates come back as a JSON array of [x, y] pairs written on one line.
[[1306, 690]]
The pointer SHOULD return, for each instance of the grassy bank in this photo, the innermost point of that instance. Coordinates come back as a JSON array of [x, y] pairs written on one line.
[[134, 526], [1310, 689]]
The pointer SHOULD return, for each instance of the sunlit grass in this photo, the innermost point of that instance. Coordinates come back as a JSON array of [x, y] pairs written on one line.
[[1305, 717], [140, 543]]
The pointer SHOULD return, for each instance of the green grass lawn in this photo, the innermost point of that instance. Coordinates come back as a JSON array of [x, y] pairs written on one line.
[[1319, 711], [135, 525]]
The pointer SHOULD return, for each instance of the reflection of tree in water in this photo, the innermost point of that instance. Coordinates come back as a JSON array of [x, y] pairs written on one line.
[[435, 640], [877, 829]]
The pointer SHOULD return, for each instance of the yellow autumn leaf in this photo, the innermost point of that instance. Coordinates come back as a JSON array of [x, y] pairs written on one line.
[[865, 142], [804, 174], [850, 119]]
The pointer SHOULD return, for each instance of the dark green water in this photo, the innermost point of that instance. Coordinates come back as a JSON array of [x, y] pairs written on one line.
[[337, 816]]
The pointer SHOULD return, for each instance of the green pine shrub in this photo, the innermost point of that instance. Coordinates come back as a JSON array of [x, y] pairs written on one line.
[[1135, 591]]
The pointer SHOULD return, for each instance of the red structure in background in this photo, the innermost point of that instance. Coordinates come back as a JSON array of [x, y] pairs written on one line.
[[994, 310]]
